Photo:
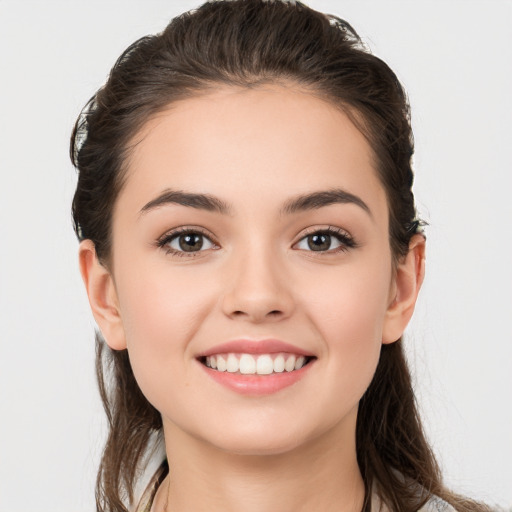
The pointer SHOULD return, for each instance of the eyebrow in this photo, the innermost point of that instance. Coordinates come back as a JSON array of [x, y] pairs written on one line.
[[311, 201], [200, 201], [316, 200]]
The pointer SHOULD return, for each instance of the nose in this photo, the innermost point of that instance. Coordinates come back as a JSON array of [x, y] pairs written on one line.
[[257, 289]]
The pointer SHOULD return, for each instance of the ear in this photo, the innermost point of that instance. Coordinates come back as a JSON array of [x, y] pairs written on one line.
[[407, 282], [102, 296]]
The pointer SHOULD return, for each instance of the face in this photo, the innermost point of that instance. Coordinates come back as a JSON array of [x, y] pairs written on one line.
[[252, 231]]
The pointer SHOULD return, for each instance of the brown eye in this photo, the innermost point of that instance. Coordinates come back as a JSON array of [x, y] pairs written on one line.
[[331, 240], [187, 242], [190, 242], [319, 242]]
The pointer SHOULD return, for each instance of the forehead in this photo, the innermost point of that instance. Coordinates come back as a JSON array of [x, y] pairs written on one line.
[[272, 140]]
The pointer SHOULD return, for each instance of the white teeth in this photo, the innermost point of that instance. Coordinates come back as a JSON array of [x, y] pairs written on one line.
[[232, 365], [300, 362], [279, 364], [264, 365], [221, 364], [249, 364], [290, 364]]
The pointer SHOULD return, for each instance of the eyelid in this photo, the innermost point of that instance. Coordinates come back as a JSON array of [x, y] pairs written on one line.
[[342, 235], [163, 240], [326, 228]]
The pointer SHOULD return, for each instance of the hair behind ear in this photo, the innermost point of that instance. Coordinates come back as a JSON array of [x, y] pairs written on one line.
[[132, 422], [393, 453], [392, 449]]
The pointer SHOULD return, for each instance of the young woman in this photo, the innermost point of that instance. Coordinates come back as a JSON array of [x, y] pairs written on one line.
[[252, 256]]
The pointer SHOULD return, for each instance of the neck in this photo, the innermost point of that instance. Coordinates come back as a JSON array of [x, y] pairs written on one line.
[[320, 475]]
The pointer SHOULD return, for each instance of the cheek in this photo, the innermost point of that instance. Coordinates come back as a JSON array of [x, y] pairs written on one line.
[[161, 313], [350, 301], [348, 308], [162, 307]]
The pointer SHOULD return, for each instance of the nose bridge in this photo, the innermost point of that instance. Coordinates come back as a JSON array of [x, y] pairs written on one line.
[[257, 288]]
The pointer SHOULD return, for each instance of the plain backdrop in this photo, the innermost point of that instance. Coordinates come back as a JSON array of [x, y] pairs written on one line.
[[454, 58]]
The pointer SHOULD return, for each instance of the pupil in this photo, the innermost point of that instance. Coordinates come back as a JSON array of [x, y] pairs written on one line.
[[319, 242], [191, 242]]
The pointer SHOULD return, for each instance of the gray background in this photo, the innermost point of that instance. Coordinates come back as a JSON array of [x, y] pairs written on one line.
[[454, 58]]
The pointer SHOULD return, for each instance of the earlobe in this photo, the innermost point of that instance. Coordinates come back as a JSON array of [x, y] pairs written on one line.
[[407, 283], [102, 295]]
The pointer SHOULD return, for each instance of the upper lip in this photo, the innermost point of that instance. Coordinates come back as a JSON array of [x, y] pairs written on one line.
[[246, 346]]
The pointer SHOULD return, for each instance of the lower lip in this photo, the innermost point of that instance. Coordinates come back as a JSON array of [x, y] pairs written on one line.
[[257, 384]]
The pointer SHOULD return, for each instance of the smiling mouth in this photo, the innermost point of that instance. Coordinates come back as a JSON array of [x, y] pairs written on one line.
[[256, 364]]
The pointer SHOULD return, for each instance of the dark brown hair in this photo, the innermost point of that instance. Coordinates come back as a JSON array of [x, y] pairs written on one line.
[[246, 43]]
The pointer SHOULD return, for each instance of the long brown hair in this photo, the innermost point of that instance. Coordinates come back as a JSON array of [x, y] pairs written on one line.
[[247, 43]]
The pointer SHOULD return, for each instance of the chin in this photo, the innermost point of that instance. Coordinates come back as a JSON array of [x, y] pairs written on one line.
[[262, 446], [265, 438]]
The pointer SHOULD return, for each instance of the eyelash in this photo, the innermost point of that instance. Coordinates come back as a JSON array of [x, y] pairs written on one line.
[[164, 241], [346, 241]]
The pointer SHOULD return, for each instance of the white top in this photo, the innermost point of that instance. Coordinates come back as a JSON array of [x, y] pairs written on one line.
[[436, 504]]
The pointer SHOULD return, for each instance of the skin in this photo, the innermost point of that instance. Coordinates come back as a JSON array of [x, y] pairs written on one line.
[[256, 150]]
